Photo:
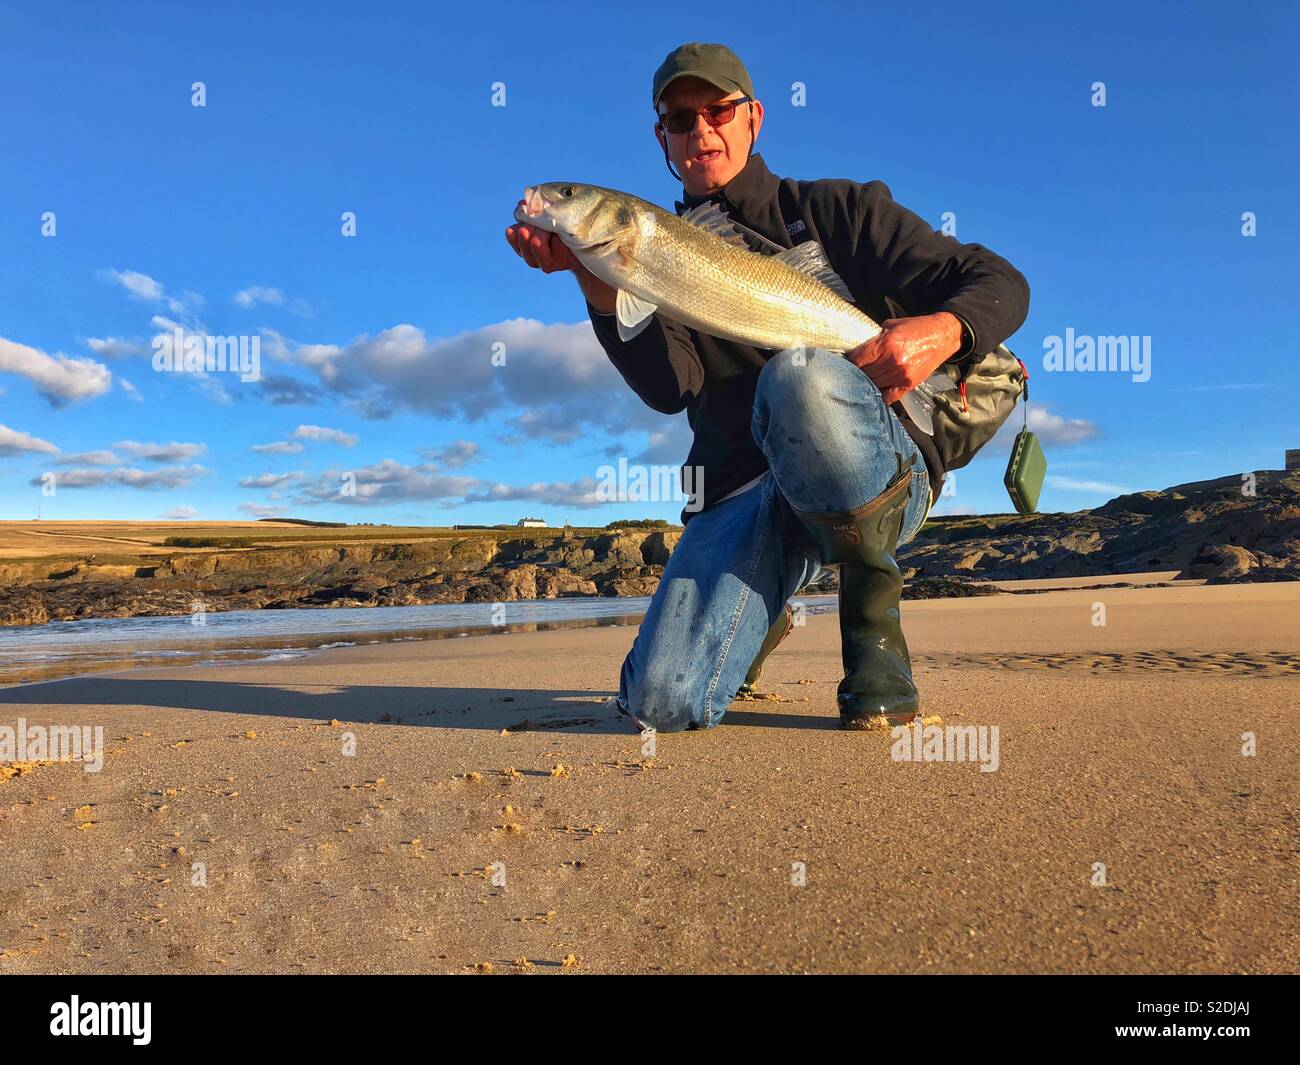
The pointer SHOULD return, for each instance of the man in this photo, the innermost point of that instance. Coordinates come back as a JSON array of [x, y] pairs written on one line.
[[802, 458]]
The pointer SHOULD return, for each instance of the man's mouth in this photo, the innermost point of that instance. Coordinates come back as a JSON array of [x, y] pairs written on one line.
[[699, 158]]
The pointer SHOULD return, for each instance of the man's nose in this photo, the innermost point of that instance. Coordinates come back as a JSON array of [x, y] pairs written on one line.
[[700, 128]]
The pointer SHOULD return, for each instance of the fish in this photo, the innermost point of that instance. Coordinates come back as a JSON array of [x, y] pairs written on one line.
[[702, 270]]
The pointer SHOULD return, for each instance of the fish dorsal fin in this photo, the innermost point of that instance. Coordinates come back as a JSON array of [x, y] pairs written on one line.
[[809, 258], [709, 217], [633, 314]]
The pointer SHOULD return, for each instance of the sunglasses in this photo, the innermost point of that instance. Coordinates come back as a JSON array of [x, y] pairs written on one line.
[[683, 119]]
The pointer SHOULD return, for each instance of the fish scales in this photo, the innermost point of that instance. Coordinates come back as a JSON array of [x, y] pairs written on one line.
[[692, 276]]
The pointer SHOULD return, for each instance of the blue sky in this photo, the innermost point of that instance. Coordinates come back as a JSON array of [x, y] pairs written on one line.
[[376, 349]]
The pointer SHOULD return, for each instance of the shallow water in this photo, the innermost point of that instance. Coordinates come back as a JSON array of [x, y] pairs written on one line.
[[70, 648]]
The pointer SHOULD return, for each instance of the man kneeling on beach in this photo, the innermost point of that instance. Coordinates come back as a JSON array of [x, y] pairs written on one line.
[[789, 446]]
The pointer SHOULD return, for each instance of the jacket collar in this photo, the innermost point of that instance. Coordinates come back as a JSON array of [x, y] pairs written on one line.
[[747, 194]]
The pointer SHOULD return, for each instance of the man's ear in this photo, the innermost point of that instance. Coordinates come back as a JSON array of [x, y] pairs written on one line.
[[757, 107], [659, 136]]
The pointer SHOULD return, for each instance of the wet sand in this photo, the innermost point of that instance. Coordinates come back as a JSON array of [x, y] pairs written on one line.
[[229, 831]]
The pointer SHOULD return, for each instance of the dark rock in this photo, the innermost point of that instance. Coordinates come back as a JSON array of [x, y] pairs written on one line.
[[22, 606], [1204, 529], [946, 588]]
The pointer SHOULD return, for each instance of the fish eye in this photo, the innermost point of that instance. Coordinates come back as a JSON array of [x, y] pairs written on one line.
[[567, 191]]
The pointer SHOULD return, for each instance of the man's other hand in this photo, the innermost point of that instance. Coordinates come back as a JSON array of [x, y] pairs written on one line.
[[907, 351]]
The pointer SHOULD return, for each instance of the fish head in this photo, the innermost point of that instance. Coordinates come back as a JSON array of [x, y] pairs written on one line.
[[583, 216]]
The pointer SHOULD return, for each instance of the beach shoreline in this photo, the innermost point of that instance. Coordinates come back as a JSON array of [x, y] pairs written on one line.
[[491, 813]]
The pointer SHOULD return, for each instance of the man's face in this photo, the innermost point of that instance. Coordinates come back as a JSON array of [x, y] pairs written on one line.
[[707, 157]]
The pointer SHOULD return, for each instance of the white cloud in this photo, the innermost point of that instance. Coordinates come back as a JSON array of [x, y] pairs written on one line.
[[278, 447], [666, 447], [181, 513], [274, 345], [173, 452], [1069, 484], [270, 480], [384, 482], [143, 287], [556, 381], [255, 294], [89, 458], [131, 391], [283, 390], [390, 482], [167, 325], [58, 378], [1053, 429], [16, 442], [139, 285], [453, 455], [580, 493], [116, 347], [127, 477], [257, 510], [1050, 428], [320, 432], [186, 303]]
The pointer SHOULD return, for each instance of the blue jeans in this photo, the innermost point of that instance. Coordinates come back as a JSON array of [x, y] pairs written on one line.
[[830, 443]]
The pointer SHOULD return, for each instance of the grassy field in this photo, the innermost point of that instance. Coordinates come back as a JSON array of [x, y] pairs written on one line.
[[130, 542], [126, 541]]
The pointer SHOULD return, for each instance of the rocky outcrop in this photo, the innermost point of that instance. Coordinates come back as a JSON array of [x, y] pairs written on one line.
[[946, 588], [23, 606], [454, 569], [1207, 529]]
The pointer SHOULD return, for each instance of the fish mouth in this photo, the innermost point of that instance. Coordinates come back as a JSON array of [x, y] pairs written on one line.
[[535, 203]]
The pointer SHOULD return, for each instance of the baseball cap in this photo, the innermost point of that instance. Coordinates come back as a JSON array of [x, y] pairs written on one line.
[[715, 63]]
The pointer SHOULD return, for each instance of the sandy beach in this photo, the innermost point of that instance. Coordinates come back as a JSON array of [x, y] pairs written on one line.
[[493, 818]]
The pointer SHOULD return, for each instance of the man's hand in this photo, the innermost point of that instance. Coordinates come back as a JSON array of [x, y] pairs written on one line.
[[544, 251], [541, 249], [908, 351]]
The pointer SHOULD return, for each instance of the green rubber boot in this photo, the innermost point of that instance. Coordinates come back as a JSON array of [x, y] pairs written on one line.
[[779, 631], [877, 667]]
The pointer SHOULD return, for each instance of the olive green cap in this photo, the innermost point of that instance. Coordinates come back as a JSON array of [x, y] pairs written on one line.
[[715, 63]]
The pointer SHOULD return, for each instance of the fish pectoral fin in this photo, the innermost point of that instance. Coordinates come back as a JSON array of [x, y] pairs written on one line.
[[633, 314], [810, 258]]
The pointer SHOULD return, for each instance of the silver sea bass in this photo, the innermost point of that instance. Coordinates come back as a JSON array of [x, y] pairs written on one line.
[[700, 271], [697, 270]]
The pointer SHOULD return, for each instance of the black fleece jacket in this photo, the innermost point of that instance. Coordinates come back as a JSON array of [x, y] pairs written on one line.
[[893, 262]]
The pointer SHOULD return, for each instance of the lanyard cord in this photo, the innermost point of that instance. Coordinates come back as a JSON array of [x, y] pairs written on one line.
[[1024, 393]]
